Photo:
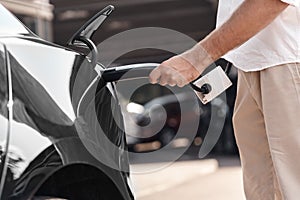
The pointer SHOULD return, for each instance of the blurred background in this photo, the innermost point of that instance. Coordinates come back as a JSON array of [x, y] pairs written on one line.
[[218, 176]]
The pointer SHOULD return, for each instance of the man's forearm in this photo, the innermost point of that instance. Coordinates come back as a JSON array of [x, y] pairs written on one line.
[[250, 18]]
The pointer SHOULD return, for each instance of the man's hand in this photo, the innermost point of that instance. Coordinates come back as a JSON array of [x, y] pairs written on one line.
[[175, 71], [182, 69]]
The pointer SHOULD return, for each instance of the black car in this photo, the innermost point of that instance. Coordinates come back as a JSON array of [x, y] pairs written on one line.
[[58, 136]]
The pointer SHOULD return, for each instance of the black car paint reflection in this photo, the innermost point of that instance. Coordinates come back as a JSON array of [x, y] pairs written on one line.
[[48, 82]]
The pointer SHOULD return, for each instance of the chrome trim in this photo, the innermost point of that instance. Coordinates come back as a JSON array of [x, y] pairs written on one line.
[[84, 94], [10, 119]]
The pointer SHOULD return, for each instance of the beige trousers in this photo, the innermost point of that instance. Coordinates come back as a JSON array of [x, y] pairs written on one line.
[[267, 129]]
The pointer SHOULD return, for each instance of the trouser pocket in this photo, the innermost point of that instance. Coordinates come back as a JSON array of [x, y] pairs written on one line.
[[295, 70]]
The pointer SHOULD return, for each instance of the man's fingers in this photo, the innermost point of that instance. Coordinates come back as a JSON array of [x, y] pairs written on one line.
[[154, 75], [181, 82], [167, 80], [172, 81], [167, 76]]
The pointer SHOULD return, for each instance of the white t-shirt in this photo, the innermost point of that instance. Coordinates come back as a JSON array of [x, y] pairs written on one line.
[[278, 43]]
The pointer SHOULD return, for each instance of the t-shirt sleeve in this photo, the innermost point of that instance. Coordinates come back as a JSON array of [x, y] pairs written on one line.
[[295, 3]]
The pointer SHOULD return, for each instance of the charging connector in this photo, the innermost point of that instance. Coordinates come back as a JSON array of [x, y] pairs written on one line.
[[211, 85]]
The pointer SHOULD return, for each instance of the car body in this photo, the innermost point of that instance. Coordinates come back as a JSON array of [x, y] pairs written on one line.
[[49, 133]]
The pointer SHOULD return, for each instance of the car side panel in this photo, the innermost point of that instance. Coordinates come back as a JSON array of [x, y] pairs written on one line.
[[47, 85]]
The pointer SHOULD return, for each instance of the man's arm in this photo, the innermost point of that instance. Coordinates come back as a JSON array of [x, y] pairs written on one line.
[[251, 17]]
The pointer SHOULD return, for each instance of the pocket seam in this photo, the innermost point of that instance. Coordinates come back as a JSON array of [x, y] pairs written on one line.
[[295, 70]]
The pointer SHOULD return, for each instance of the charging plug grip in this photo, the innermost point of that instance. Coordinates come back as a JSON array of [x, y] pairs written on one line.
[[211, 85]]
